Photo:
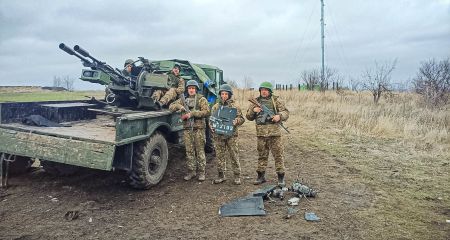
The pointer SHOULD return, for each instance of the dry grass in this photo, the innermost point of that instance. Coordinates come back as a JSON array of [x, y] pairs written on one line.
[[45, 95], [401, 116], [398, 148]]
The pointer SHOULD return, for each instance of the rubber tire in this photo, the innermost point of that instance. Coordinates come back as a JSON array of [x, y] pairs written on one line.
[[59, 169], [21, 165], [150, 158]]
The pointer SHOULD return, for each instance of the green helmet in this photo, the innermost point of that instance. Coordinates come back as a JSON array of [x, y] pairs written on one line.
[[177, 66], [267, 85], [226, 88], [192, 83], [128, 61]]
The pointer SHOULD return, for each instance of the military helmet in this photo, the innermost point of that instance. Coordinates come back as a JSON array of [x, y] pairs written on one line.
[[128, 61], [192, 83], [177, 66], [226, 88], [267, 85]]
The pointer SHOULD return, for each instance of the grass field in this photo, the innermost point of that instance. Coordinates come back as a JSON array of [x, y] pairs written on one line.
[[399, 149], [48, 96]]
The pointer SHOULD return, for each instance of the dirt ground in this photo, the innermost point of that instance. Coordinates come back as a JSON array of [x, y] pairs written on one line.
[[34, 205]]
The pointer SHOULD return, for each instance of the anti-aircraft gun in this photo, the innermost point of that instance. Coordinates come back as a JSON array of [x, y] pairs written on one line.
[[146, 76], [134, 91]]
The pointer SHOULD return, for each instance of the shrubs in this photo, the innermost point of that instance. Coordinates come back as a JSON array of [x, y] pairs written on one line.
[[433, 82]]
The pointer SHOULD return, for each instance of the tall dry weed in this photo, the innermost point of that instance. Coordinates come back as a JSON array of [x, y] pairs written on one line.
[[401, 116]]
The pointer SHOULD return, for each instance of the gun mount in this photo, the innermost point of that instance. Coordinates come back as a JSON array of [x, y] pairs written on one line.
[[135, 89]]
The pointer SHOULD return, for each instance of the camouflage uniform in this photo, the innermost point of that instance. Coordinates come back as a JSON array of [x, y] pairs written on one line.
[[124, 71], [176, 87], [227, 147], [269, 134], [194, 139]]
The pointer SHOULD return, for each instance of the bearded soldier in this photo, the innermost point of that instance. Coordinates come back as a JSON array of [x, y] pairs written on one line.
[[176, 87], [268, 131], [194, 129], [226, 146]]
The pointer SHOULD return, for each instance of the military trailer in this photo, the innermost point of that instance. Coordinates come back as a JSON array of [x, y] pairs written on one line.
[[97, 134]]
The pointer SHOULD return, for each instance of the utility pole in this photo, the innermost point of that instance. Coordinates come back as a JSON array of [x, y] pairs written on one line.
[[322, 23]]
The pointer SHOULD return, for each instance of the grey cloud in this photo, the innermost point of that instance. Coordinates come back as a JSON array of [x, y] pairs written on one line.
[[265, 40]]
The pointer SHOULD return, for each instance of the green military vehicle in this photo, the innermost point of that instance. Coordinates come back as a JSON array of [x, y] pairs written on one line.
[[123, 132]]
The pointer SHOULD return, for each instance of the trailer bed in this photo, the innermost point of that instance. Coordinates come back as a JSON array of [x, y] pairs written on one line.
[[101, 129]]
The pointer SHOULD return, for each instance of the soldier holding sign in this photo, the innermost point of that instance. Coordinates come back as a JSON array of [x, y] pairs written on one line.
[[224, 128]]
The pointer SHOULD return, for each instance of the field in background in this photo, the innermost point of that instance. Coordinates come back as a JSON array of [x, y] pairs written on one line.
[[399, 149], [401, 116], [28, 94]]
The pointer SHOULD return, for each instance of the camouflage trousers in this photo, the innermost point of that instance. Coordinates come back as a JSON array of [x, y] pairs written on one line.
[[227, 149], [165, 96], [194, 141], [264, 146]]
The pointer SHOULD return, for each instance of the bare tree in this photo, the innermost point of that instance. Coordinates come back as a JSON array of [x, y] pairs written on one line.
[[330, 76], [355, 84], [311, 78], [433, 81], [66, 82], [57, 81], [248, 82], [378, 79]]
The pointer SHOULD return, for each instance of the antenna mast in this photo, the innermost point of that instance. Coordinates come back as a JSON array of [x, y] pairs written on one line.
[[322, 23]]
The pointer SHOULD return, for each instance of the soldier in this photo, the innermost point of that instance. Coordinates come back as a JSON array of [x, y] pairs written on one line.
[[128, 66], [194, 129], [127, 72], [176, 87], [226, 147], [268, 132]]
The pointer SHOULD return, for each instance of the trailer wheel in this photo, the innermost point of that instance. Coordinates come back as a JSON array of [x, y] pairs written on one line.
[[59, 169], [21, 165], [149, 162]]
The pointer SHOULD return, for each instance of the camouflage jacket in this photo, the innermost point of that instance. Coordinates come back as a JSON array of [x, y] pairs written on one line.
[[239, 117], [176, 82], [198, 105], [269, 129], [125, 73]]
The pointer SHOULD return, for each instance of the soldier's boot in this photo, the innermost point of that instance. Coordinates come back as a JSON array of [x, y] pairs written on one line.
[[261, 178], [220, 179], [281, 182], [190, 175], [201, 177]]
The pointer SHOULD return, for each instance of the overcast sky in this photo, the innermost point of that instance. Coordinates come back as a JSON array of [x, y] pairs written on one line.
[[264, 40]]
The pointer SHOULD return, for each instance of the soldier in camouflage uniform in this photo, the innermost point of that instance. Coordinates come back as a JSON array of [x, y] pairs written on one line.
[[176, 87], [268, 132], [193, 134], [128, 65], [226, 147]]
